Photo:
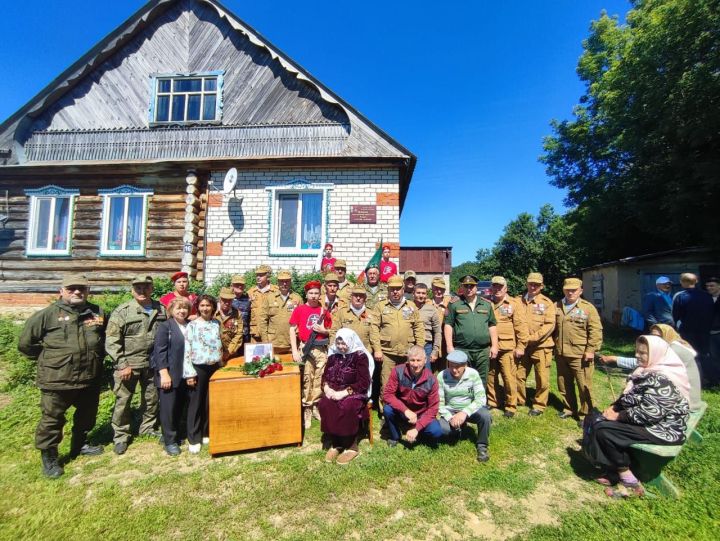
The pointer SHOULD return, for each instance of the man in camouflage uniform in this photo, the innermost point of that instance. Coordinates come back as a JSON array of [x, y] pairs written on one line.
[[275, 312], [400, 327], [129, 342], [375, 289], [329, 297], [231, 325], [578, 335], [540, 317], [512, 339], [257, 295], [66, 339]]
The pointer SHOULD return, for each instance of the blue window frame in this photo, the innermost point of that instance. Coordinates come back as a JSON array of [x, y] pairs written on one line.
[[183, 98], [50, 221], [124, 221]]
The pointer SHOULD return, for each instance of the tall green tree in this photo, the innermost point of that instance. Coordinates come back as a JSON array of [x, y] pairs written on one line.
[[542, 243], [640, 160]]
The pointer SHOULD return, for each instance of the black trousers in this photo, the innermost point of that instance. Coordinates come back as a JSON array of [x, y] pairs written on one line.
[[54, 404], [610, 442], [172, 401], [198, 411]]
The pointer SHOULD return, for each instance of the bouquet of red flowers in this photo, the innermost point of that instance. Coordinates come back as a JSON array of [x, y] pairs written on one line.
[[262, 366]]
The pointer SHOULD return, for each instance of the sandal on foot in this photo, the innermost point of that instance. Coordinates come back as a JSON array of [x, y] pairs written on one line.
[[607, 479]]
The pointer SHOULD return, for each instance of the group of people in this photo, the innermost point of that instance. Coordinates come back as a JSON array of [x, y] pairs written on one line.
[[694, 313], [431, 362]]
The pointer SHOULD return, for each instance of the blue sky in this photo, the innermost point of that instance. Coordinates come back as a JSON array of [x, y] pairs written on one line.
[[468, 86]]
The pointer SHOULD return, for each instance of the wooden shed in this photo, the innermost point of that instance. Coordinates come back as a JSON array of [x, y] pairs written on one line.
[[427, 262], [118, 165]]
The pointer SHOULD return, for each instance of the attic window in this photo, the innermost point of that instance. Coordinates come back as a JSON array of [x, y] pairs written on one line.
[[194, 98]]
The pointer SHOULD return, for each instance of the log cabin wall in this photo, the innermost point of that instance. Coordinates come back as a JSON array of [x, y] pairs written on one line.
[[20, 273]]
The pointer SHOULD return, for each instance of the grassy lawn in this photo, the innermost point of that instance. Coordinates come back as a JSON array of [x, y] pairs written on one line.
[[534, 487]]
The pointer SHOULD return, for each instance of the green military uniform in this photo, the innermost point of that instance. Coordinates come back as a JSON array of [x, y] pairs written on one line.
[[129, 342], [578, 330], [68, 344], [274, 319], [375, 295], [400, 327], [471, 331]]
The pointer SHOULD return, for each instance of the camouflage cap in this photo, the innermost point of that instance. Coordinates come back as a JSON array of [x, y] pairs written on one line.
[[284, 275], [498, 280], [340, 264], [263, 269], [572, 283], [332, 277], [410, 274], [142, 279], [75, 280], [438, 281], [395, 281], [227, 294], [238, 279], [535, 278]]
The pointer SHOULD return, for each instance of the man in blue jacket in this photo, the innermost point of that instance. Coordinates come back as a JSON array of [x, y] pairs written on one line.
[[692, 310], [657, 306]]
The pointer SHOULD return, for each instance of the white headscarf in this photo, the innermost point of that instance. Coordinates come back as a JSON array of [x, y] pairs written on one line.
[[354, 344]]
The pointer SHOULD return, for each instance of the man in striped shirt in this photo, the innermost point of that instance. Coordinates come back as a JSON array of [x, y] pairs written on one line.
[[462, 399]]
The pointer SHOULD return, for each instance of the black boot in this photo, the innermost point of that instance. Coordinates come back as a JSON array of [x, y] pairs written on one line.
[[50, 466]]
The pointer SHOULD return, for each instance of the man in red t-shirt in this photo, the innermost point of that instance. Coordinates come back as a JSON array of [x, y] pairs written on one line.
[[306, 319], [387, 267]]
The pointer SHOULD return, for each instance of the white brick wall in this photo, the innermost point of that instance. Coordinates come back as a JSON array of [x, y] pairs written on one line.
[[248, 246]]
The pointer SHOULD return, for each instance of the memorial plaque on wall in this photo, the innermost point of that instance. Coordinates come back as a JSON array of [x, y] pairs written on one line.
[[363, 214]]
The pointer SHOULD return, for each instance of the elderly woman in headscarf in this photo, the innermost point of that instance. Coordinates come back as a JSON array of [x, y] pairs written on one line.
[[653, 409], [343, 405], [683, 350]]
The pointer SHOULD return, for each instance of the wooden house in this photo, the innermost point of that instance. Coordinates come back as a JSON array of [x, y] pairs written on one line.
[[117, 166]]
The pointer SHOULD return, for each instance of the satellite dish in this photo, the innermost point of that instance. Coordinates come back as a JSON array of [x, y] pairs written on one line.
[[230, 181]]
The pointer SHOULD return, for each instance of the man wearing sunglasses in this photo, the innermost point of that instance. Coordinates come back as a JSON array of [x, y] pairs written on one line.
[[67, 341]]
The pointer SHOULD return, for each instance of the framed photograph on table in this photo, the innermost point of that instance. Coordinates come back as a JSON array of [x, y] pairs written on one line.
[[258, 350]]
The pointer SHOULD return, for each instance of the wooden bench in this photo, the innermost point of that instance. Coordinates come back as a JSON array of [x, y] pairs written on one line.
[[649, 460]]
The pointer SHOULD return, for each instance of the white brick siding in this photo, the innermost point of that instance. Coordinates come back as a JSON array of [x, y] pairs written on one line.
[[248, 246]]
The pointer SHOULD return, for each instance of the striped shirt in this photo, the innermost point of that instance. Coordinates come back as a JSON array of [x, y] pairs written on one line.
[[466, 394]]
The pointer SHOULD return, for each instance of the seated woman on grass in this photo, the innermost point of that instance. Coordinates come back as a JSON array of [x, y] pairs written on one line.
[[653, 409], [343, 405], [683, 350]]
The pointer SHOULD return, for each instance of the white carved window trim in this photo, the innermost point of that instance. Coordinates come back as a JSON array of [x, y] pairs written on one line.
[[53, 194], [124, 192], [297, 186]]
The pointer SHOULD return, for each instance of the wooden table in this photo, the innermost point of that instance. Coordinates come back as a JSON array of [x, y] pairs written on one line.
[[248, 412]]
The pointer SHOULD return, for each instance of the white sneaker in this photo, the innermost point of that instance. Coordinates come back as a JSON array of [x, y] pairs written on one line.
[[194, 448], [206, 441]]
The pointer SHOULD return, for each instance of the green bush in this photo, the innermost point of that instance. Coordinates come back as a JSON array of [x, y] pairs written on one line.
[[16, 368]]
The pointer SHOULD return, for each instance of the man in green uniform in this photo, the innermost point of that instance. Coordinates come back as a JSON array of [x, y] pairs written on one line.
[[66, 339], [257, 294], [470, 326], [344, 286], [129, 343], [231, 325]]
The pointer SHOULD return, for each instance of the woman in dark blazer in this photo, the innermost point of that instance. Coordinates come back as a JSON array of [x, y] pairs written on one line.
[[168, 356]]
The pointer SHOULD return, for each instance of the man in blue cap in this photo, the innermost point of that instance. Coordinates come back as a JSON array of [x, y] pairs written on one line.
[[462, 399], [657, 305]]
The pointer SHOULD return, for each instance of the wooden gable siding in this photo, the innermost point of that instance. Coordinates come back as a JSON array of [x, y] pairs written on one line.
[[188, 37], [164, 234]]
